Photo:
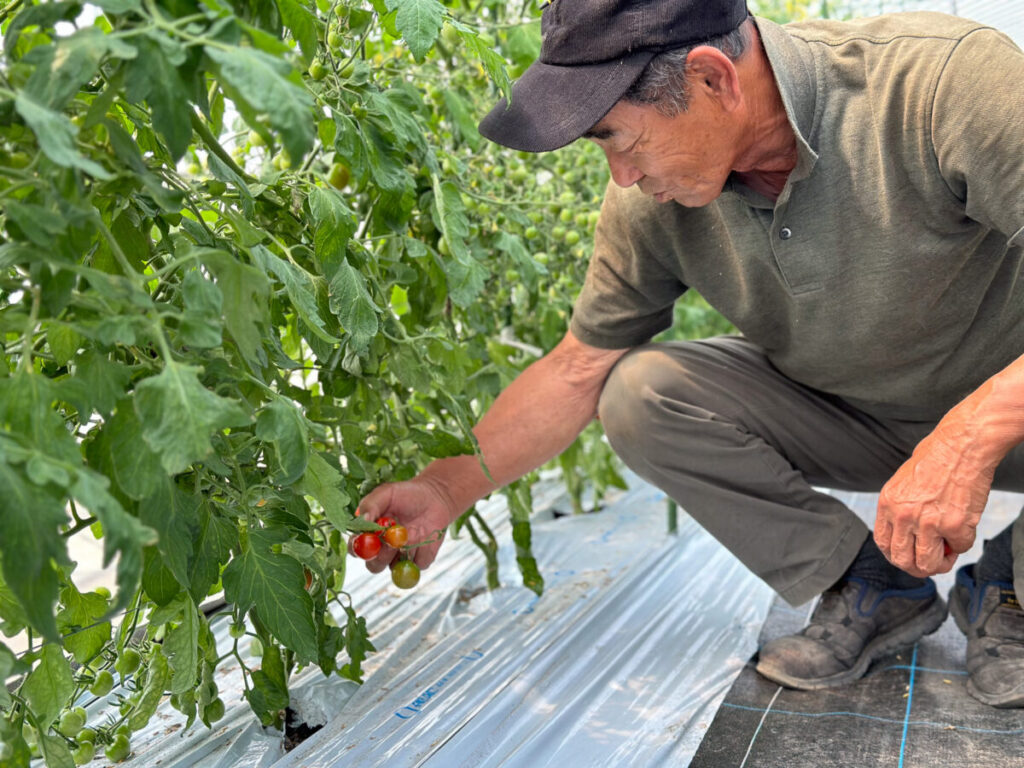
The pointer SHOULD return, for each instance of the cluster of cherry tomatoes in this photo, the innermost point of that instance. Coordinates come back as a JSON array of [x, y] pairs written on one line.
[[405, 574]]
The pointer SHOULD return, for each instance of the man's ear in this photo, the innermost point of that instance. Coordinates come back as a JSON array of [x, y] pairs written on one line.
[[714, 73]]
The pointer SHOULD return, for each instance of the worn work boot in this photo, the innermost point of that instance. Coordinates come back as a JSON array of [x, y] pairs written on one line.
[[853, 625], [989, 614]]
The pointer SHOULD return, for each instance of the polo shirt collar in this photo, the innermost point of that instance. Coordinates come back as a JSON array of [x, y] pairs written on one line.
[[794, 72]]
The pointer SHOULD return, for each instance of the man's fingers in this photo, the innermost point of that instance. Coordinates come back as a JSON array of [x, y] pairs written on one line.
[[883, 536]]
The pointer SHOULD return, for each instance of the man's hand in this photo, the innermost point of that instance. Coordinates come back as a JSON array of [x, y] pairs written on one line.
[[929, 510], [418, 504]]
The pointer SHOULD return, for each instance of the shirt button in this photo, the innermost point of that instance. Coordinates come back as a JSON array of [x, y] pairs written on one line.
[[785, 233]]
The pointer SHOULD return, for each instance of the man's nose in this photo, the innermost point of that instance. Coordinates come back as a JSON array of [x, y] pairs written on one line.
[[624, 173]]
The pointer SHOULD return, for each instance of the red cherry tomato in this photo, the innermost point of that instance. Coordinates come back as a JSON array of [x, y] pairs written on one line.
[[386, 522], [366, 546], [396, 536]]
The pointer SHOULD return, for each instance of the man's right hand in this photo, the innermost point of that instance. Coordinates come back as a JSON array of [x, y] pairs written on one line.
[[421, 506]]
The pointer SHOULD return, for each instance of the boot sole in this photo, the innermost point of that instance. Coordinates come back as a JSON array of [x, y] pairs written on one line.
[[896, 639], [1011, 700]]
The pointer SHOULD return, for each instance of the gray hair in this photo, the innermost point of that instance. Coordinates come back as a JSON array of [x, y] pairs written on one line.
[[663, 81]]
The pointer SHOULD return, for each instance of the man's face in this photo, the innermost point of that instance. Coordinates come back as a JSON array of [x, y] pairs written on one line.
[[684, 158]]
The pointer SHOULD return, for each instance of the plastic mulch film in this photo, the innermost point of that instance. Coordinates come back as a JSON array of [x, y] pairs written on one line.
[[623, 660]]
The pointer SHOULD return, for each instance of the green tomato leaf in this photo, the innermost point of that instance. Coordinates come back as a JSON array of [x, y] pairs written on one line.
[[352, 304], [63, 68], [246, 294], [157, 580], [358, 645], [301, 288], [201, 325], [158, 676], [64, 342], [154, 76], [262, 81], [29, 518], [212, 550], [123, 535], [282, 424], [324, 483], [441, 444], [10, 665], [49, 686], [419, 21], [56, 136], [181, 646], [179, 415], [303, 26], [55, 751], [174, 515], [79, 622], [274, 584]]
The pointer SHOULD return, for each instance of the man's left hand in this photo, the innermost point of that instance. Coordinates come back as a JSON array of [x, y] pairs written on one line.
[[929, 510]]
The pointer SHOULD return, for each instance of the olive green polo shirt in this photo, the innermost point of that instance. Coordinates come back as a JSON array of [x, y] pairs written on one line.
[[889, 270]]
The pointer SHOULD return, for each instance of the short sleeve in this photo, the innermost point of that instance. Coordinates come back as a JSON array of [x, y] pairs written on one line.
[[629, 292], [978, 130]]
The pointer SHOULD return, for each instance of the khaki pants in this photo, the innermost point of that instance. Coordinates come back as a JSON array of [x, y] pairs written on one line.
[[739, 446]]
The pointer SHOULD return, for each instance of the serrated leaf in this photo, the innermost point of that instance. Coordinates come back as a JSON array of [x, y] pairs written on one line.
[[134, 466], [181, 647], [201, 324], [282, 424], [267, 697], [301, 288], [61, 69], [97, 384], [49, 686], [123, 535], [179, 415], [79, 622], [174, 515], [302, 24], [64, 342], [44, 15], [246, 294], [335, 223], [154, 76], [419, 21], [56, 136], [358, 645], [262, 81], [274, 584], [449, 214], [462, 118], [352, 305], [491, 60], [10, 665], [29, 518], [55, 751], [514, 247], [441, 444], [158, 675], [466, 279], [157, 580], [324, 483], [212, 550]]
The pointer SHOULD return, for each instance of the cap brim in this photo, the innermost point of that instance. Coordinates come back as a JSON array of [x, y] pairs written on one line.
[[554, 105]]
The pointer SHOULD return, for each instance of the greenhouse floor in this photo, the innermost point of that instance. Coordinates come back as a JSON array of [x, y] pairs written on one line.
[[633, 656]]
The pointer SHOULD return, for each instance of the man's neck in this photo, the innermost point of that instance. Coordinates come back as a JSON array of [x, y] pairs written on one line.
[[770, 153]]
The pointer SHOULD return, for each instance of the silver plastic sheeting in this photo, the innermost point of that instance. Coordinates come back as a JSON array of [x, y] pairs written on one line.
[[622, 662]]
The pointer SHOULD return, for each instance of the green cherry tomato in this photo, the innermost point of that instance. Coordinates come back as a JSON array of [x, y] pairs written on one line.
[[86, 735], [405, 574], [565, 216], [532, 233], [102, 592], [127, 662], [339, 176], [84, 754], [317, 70], [236, 629], [71, 722], [102, 683], [119, 749], [572, 237], [335, 39]]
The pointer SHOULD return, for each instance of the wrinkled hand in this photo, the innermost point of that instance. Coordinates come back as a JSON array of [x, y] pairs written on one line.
[[929, 510], [419, 505]]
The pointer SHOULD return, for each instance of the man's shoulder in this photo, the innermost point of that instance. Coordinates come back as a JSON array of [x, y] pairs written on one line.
[[880, 30]]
